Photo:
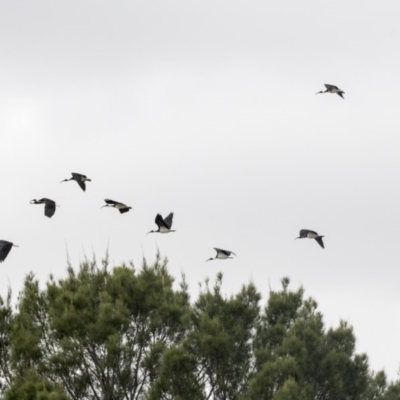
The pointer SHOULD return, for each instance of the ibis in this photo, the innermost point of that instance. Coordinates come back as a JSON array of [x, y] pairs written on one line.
[[332, 89], [121, 207], [164, 224], [222, 254], [79, 179], [306, 233], [5, 248], [49, 206]]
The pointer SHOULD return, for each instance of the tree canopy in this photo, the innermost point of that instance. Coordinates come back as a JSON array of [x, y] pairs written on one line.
[[135, 334]]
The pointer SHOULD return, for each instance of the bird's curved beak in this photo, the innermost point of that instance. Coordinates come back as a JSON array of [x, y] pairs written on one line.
[[210, 259], [65, 180], [149, 232], [297, 238]]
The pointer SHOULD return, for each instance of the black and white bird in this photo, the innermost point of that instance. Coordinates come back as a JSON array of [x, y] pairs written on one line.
[[332, 89], [222, 254], [5, 248], [121, 207], [164, 224], [49, 206], [79, 179], [306, 233]]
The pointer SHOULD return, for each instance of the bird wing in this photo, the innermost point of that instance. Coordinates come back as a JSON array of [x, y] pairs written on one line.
[[124, 210], [304, 232], [330, 87], [79, 180], [341, 95], [5, 248], [168, 220], [81, 184], [49, 208], [320, 242], [226, 252], [160, 222], [108, 201]]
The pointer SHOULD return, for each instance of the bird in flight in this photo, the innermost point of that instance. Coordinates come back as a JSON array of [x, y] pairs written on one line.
[[221, 254], [79, 179], [121, 207], [5, 248], [306, 233], [332, 89], [164, 224], [49, 206]]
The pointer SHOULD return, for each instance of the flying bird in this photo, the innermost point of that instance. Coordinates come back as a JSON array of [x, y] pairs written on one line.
[[306, 233], [221, 254], [49, 206], [332, 89], [79, 179], [5, 248], [121, 207], [164, 224]]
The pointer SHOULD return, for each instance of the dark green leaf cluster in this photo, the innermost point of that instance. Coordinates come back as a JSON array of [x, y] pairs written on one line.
[[126, 334]]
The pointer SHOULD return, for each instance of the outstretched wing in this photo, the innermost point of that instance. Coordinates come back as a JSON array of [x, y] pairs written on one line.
[[123, 210], [226, 252], [79, 178], [5, 248], [49, 208], [331, 87], [341, 95], [160, 222], [320, 242], [108, 201], [168, 220], [304, 233]]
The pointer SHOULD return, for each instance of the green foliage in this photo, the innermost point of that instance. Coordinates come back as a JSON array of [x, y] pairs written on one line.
[[127, 334], [32, 387], [6, 320], [292, 344], [99, 334], [217, 352]]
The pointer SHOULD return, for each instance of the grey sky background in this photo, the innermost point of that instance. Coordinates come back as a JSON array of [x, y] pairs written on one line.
[[207, 109]]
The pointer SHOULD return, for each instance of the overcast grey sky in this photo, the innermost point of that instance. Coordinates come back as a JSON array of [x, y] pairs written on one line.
[[207, 109]]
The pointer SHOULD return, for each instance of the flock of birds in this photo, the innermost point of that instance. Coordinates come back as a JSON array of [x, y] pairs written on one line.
[[164, 224]]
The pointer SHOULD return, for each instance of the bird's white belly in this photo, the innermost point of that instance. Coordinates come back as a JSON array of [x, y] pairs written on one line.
[[222, 256], [163, 229], [312, 235]]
